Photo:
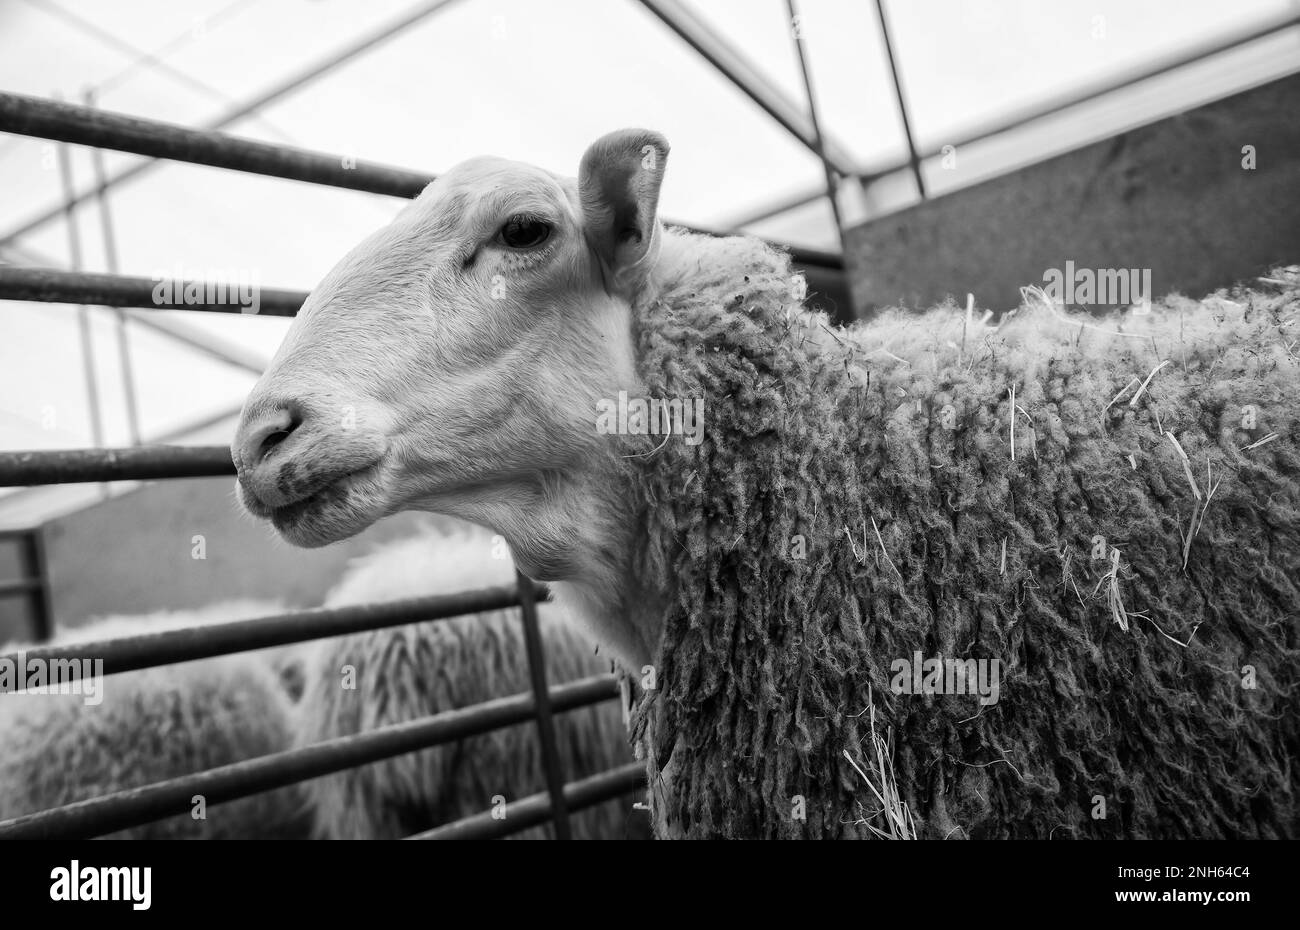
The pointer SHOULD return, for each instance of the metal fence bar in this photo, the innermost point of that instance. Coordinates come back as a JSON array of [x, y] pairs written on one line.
[[167, 647], [536, 808], [19, 586], [178, 432], [135, 806], [47, 285], [48, 119], [135, 463], [551, 764], [42, 599], [81, 125]]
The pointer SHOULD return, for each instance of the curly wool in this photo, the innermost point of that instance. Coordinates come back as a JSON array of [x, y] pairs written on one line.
[[153, 725], [414, 671], [887, 449]]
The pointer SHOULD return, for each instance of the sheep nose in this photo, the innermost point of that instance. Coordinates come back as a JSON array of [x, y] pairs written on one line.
[[258, 436]]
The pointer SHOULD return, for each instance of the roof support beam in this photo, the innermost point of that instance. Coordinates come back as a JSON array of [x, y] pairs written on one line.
[[714, 49]]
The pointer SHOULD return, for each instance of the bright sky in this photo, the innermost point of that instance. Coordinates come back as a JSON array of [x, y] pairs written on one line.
[[522, 78]]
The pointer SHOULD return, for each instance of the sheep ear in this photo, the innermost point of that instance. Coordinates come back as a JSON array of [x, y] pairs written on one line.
[[618, 187]]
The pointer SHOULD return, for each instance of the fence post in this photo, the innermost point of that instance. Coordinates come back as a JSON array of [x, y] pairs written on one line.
[[39, 569], [541, 696]]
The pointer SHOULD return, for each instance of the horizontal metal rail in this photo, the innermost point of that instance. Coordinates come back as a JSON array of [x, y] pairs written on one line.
[[134, 463], [19, 586], [47, 285], [211, 419], [82, 125], [135, 806], [536, 808], [167, 647], [70, 122]]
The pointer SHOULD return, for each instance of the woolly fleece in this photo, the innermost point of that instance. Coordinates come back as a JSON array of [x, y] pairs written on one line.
[[769, 663]]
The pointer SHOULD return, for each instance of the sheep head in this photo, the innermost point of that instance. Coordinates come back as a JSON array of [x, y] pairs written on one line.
[[453, 360]]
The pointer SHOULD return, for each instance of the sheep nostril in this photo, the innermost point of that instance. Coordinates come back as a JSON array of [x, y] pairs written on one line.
[[271, 441], [258, 438]]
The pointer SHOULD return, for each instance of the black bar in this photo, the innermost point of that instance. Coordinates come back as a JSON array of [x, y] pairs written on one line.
[[832, 179], [83, 125], [545, 720], [747, 78], [149, 650], [135, 806], [42, 600], [536, 808], [136, 463], [913, 159], [19, 586], [47, 285]]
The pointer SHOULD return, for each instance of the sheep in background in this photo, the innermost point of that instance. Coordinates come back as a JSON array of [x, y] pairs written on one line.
[[412, 671], [152, 725]]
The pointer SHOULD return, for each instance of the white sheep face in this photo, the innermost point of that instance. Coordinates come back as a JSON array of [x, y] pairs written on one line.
[[453, 360]]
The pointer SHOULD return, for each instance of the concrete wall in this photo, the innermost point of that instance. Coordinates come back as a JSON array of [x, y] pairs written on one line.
[[1171, 197], [134, 554]]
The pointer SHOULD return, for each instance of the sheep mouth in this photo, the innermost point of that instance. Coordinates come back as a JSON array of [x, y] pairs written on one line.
[[338, 509]]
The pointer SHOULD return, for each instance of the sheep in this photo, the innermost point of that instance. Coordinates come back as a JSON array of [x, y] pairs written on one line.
[[156, 724], [1095, 519], [413, 671]]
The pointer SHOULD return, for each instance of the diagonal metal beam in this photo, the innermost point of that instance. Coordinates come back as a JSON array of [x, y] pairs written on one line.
[[913, 159], [718, 52], [288, 86], [137, 55], [832, 181], [219, 349]]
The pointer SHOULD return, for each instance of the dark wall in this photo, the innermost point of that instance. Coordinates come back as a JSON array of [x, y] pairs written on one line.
[[1172, 197]]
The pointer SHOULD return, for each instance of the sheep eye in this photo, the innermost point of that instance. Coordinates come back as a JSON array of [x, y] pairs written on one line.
[[524, 232]]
